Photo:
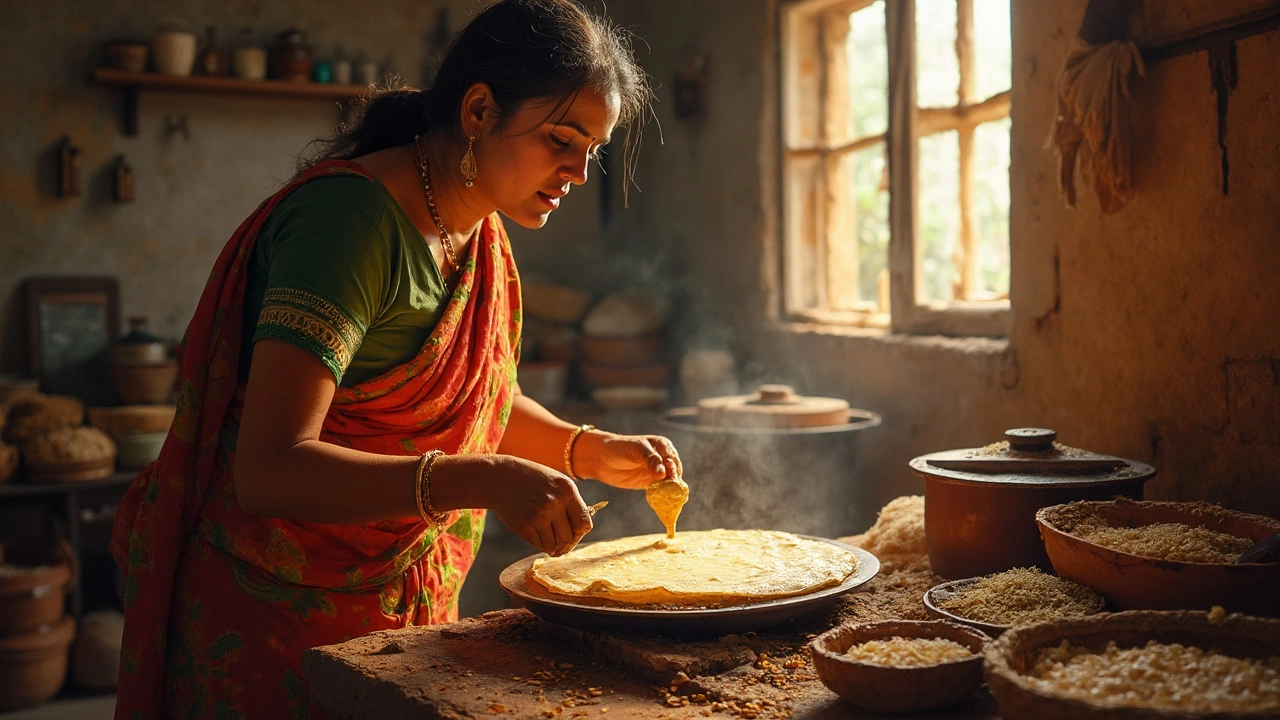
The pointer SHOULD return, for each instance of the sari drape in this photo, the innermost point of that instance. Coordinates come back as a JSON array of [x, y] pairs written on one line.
[[303, 584]]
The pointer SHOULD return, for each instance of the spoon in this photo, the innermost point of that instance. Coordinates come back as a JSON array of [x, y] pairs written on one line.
[[1265, 551]]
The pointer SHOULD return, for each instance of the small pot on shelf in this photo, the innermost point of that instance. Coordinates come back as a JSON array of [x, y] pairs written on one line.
[[291, 57], [141, 369]]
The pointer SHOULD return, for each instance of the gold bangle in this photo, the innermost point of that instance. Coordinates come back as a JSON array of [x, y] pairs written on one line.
[[568, 449], [426, 510]]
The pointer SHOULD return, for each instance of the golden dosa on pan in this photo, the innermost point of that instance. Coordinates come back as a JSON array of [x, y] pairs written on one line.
[[722, 567]]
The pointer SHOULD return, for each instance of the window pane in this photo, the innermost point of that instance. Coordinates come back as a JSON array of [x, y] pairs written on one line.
[[991, 208], [867, 193], [868, 53], [993, 50], [939, 212], [937, 68]]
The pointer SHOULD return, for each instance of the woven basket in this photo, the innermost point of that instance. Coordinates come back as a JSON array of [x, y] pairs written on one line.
[[1009, 658]]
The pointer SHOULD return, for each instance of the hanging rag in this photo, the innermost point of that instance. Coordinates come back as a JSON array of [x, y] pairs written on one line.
[[1092, 124]]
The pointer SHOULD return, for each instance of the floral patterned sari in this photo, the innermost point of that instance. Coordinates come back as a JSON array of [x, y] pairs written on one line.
[[220, 605]]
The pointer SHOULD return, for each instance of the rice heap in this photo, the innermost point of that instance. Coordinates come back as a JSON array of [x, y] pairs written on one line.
[[908, 652], [1166, 677], [897, 538], [1021, 596], [1176, 542]]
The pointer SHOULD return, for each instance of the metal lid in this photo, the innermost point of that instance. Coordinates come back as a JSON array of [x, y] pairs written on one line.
[[772, 406], [1029, 456]]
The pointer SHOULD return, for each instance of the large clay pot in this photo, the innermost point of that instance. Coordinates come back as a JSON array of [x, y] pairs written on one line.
[[33, 665], [980, 503], [33, 585], [773, 460]]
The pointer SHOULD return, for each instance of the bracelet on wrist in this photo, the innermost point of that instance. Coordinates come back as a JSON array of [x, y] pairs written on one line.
[[426, 510], [568, 449]]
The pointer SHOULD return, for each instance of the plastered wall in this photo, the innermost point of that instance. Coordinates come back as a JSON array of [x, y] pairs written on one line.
[[193, 190]]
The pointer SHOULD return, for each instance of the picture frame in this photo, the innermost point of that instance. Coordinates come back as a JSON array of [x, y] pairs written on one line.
[[71, 323]]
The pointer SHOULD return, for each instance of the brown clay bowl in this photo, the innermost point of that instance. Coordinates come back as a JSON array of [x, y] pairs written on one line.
[[885, 689], [1133, 582], [598, 376], [71, 471], [33, 665], [144, 384], [115, 421], [33, 590], [623, 351], [1009, 659], [936, 595]]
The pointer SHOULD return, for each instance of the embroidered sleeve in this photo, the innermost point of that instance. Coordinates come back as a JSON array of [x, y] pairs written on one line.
[[313, 323], [328, 273]]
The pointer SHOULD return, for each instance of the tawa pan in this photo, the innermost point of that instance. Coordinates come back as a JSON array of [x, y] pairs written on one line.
[[600, 614]]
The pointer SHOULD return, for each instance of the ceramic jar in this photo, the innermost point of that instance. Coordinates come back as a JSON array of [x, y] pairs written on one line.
[[249, 63], [174, 52], [127, 57], [291, 57]]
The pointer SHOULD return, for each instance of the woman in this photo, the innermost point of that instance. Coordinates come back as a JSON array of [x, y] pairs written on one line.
[[348, 398]]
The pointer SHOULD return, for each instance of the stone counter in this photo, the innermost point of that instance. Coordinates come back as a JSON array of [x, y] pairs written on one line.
[[510, 663]]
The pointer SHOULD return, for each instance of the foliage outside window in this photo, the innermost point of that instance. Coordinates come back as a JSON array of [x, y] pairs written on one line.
[[911, 235]]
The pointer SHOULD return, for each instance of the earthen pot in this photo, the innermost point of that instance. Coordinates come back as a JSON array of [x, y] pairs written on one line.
[[33, 665], [888, 689], [598, 376], [623, 351], [980, 503], [34, 584], [1133, 582]]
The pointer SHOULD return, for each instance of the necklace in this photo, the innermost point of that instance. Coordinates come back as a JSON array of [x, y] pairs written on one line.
[[445, 241]]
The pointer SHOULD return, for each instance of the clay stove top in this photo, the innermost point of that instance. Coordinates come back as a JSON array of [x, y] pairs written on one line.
[[510, 663]]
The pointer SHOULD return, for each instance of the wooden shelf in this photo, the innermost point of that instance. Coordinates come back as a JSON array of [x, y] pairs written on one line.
[[18, 488], [235, 86], [130, 83]]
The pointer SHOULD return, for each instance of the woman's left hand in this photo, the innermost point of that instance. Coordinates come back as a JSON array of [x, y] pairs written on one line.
[[625, 461]]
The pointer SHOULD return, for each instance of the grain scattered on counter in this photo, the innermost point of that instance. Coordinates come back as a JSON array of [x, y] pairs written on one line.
[[1021, 596], [1166, 677], [908, 652]]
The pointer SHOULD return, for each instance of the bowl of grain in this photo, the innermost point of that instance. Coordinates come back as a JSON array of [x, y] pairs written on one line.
[[69, 455], [1021, 596], [1139, 665], [1163, 555], [899, 666]]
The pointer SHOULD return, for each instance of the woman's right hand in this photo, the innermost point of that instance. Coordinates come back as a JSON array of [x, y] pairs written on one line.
[[537, 503]]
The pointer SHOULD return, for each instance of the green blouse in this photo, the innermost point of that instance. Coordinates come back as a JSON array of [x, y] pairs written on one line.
[[340, 271]]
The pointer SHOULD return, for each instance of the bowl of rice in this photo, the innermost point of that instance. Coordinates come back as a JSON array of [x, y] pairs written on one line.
[[1020, 596], [1143, 555], [1139, 665], [899, 666]]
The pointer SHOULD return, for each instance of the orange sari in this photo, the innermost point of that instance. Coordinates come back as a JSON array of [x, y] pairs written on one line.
[[219, 605]]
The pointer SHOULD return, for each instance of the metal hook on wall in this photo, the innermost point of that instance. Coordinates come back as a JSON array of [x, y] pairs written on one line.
[[176, 125]]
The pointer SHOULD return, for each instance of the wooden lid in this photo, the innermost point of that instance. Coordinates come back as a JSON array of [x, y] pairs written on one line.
[[772, 406], [1030, 456]]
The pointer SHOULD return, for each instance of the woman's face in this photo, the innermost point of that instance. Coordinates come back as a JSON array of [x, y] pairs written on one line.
[[526, 173]]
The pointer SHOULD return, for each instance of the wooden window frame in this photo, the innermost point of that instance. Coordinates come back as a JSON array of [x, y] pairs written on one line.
[[805, 120]]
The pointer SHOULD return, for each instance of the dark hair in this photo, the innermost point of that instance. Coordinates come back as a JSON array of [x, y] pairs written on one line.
[[521, 49]]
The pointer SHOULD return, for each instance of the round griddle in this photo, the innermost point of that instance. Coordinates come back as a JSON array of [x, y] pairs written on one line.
[[592, 613]]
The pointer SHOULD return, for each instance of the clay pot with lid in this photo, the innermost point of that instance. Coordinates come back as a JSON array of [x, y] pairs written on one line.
[[291, 57], [141, 369], [980, 503], [773, 460]]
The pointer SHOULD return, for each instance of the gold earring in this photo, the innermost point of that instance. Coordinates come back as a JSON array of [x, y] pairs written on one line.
[[468, 166]]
